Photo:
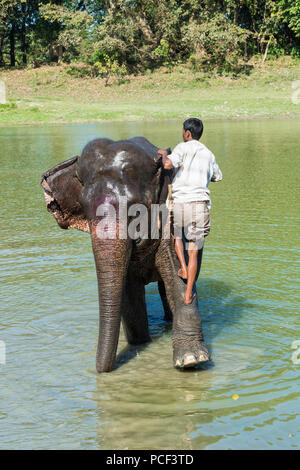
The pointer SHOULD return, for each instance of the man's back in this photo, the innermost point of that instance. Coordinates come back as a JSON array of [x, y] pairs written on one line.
[[195, 167]]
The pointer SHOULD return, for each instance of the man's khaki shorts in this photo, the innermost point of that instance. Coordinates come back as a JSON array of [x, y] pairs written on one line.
[[193, 219]]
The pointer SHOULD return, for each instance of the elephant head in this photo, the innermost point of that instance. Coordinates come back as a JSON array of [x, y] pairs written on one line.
[[74, 191]]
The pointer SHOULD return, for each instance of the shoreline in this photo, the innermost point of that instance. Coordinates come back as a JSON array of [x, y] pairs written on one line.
[[254, 117]]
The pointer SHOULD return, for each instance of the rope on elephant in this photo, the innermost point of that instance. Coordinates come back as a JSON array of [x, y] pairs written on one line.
[[171, 206]]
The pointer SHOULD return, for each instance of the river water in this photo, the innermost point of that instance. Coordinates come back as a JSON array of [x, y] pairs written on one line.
[[248, 396]]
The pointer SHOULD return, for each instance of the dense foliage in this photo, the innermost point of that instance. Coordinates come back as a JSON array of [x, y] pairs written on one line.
[[127, 36]]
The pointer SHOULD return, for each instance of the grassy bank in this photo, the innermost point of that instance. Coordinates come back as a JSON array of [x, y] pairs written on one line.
[[51, 95]]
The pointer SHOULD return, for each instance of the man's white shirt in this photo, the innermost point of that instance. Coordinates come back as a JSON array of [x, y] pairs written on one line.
[[195, 166]]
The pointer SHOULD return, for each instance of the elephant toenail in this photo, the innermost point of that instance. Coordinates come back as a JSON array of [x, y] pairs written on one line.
[[204, 357], [189, 360]]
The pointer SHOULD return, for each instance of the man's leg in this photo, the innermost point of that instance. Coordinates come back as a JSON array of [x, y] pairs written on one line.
[[183, 271], [178, 243], [197, 227], [191, 271]]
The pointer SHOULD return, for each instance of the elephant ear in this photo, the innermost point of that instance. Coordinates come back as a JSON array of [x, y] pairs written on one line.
[[62, 189]]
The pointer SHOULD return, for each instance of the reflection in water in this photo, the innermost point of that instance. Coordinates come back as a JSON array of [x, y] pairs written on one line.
[[50, 394], [171, 407]]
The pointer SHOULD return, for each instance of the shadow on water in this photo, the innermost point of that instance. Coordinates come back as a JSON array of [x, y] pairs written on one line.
[[218, 308]]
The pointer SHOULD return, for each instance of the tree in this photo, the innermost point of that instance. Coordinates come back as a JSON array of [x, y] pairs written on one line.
[[217, 44], [142, 34], [70, 25], [288, 11], [7, 13]]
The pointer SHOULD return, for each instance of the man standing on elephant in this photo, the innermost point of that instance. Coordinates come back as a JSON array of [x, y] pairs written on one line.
[[195, 166]]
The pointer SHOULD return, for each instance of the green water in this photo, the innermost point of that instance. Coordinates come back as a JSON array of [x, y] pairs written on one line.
[[51, 396]]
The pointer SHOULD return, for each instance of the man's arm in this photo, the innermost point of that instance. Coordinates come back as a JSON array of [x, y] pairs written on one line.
[[217, 173], [174, 160]]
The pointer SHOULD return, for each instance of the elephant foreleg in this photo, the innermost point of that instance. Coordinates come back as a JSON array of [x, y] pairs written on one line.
[[134, 313], [189, 348]]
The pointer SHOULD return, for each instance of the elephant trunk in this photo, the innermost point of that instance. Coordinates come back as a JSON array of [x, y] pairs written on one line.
[[111, 260]]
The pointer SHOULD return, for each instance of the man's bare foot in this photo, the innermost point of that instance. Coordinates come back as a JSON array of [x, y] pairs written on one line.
[[188, 299], [182, 273]]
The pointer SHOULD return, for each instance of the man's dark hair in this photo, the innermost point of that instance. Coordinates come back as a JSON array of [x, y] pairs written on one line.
[[195, 126]]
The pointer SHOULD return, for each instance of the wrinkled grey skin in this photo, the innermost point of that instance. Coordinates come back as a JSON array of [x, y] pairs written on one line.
[[73, 190]]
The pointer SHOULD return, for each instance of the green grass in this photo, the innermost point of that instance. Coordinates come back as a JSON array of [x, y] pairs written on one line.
[[50, 95]]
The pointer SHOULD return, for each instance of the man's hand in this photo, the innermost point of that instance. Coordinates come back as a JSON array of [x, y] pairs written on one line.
[[162, 152], [167, 164]]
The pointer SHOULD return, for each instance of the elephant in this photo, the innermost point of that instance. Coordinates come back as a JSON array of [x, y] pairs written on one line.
[[73, 191]]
